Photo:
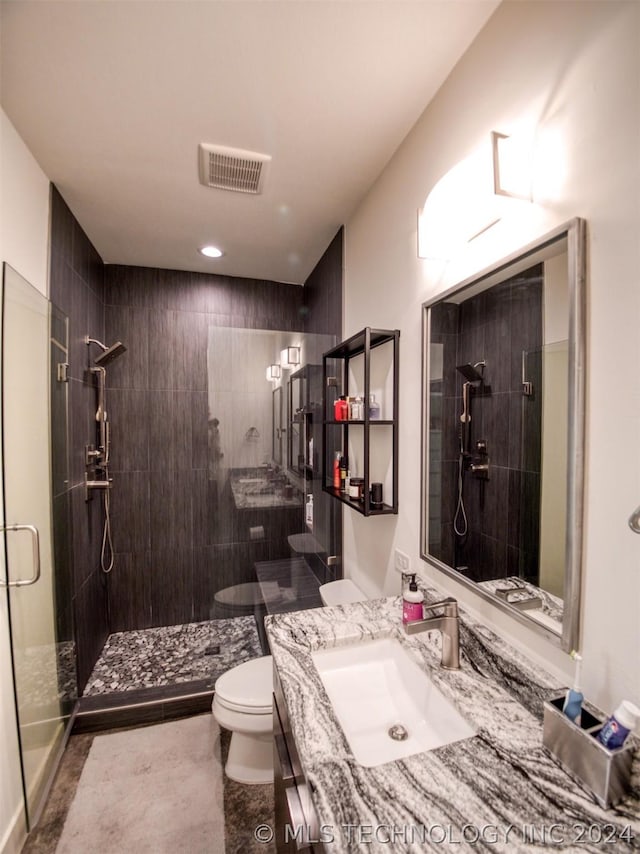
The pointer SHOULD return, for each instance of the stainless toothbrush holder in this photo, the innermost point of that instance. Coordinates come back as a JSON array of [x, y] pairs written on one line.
[[605, 772]]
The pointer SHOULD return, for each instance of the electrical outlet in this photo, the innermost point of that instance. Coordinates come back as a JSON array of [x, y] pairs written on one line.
[[401, 561]]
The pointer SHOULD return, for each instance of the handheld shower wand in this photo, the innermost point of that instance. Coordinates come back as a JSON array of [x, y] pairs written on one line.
[[99, 457], [473, 377]]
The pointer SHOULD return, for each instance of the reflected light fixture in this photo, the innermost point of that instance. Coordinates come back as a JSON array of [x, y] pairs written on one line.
[[290, 357], [512, 166], [273, 373], [211, 252]]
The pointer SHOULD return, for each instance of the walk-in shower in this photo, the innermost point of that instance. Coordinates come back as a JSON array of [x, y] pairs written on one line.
[[209, 517], [97, 456], [474, 377]]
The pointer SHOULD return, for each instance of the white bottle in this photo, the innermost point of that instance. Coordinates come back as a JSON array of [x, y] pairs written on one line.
[[308, 514], [616, 729]]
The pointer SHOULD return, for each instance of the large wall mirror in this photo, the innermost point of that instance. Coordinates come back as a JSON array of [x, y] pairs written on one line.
[[502, 432]]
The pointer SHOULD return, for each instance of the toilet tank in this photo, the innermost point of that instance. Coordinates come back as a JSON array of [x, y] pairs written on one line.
[[342, 592]]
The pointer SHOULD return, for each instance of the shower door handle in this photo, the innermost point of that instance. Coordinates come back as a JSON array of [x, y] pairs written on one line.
[[634, 520], [35, 542]]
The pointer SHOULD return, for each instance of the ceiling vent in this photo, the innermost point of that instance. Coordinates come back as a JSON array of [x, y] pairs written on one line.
[[232, 168]]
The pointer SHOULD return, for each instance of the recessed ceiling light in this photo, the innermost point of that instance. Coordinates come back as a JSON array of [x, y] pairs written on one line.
[[212, 252]]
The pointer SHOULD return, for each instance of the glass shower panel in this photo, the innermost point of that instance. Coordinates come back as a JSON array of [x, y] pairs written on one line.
[[255, 514], [27, 476]]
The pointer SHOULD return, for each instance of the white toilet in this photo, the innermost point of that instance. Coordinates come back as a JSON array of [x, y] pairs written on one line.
[[242, 703]]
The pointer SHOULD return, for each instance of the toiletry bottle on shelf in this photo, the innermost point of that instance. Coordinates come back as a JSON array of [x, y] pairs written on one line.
[[343, 474], [374, 407], [412, 599], [308, 513], [356, 411], [336, 469], [616, 729], [341, 409]]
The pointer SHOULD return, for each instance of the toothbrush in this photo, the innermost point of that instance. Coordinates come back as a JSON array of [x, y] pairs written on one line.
[[573, 701]]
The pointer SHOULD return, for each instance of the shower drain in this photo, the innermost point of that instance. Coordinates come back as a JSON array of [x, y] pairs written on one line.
[[398, 733]]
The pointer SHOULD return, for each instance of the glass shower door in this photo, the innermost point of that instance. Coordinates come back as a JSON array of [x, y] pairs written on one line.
[[28, 574]]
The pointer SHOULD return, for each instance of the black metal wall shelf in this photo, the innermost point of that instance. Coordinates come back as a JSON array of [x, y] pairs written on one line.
[[335, 433]]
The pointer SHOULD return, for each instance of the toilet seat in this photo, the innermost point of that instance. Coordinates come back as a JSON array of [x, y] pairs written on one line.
[[248, 687]]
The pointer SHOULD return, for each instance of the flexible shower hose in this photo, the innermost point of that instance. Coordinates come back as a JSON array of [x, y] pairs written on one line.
[[107, 543], [460, 511]]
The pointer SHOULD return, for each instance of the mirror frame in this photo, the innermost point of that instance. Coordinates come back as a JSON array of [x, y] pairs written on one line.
[[574, 232]]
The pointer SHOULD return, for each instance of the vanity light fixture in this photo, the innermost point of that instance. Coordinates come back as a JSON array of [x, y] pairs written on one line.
[[290, 357], [512, 166], [273, 373], [211, 252]]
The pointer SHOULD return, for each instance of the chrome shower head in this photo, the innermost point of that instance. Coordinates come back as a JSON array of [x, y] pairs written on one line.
[[110, 354], [471, 373]]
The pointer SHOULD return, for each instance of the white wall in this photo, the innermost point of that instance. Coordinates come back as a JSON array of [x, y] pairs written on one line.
[[24, 226], [573, 69]]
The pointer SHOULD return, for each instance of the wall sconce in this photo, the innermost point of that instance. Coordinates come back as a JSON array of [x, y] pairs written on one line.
[[512, 166], [273, 372], [459, 208], [290, 357]]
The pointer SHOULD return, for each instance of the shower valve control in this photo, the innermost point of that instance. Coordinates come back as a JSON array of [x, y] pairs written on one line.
[[91, 455], [479, 462]]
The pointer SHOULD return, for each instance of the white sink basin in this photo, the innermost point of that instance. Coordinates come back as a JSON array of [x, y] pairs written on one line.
[[374, 686]]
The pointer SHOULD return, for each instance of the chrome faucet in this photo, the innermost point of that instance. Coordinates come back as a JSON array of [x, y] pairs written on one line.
[[448, 624]]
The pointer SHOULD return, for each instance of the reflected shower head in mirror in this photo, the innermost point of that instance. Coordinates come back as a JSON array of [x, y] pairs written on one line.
[[109, 353], [471, 373]]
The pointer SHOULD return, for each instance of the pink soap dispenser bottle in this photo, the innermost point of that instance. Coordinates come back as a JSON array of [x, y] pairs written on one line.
[[412, 600]]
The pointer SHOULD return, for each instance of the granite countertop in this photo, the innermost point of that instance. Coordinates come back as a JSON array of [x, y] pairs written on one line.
[[497, 791], [549, 613]]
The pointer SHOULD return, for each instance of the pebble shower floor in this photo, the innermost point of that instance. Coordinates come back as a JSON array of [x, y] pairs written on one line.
[[151, 658]]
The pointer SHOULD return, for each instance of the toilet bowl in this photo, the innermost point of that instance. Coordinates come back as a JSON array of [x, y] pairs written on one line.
[[242, 600], [242, 703]]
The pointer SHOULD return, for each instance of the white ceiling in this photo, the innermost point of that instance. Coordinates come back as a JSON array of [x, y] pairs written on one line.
[[113, 96]]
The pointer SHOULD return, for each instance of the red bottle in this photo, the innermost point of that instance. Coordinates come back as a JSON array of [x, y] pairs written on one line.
[[341, 409], [336, 470]]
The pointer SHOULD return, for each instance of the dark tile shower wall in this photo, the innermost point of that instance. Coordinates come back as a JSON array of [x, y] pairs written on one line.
[[76, 287], [176, 544], [502, 513]]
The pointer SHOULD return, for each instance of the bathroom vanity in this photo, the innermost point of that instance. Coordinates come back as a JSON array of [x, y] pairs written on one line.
[[497, 790]]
